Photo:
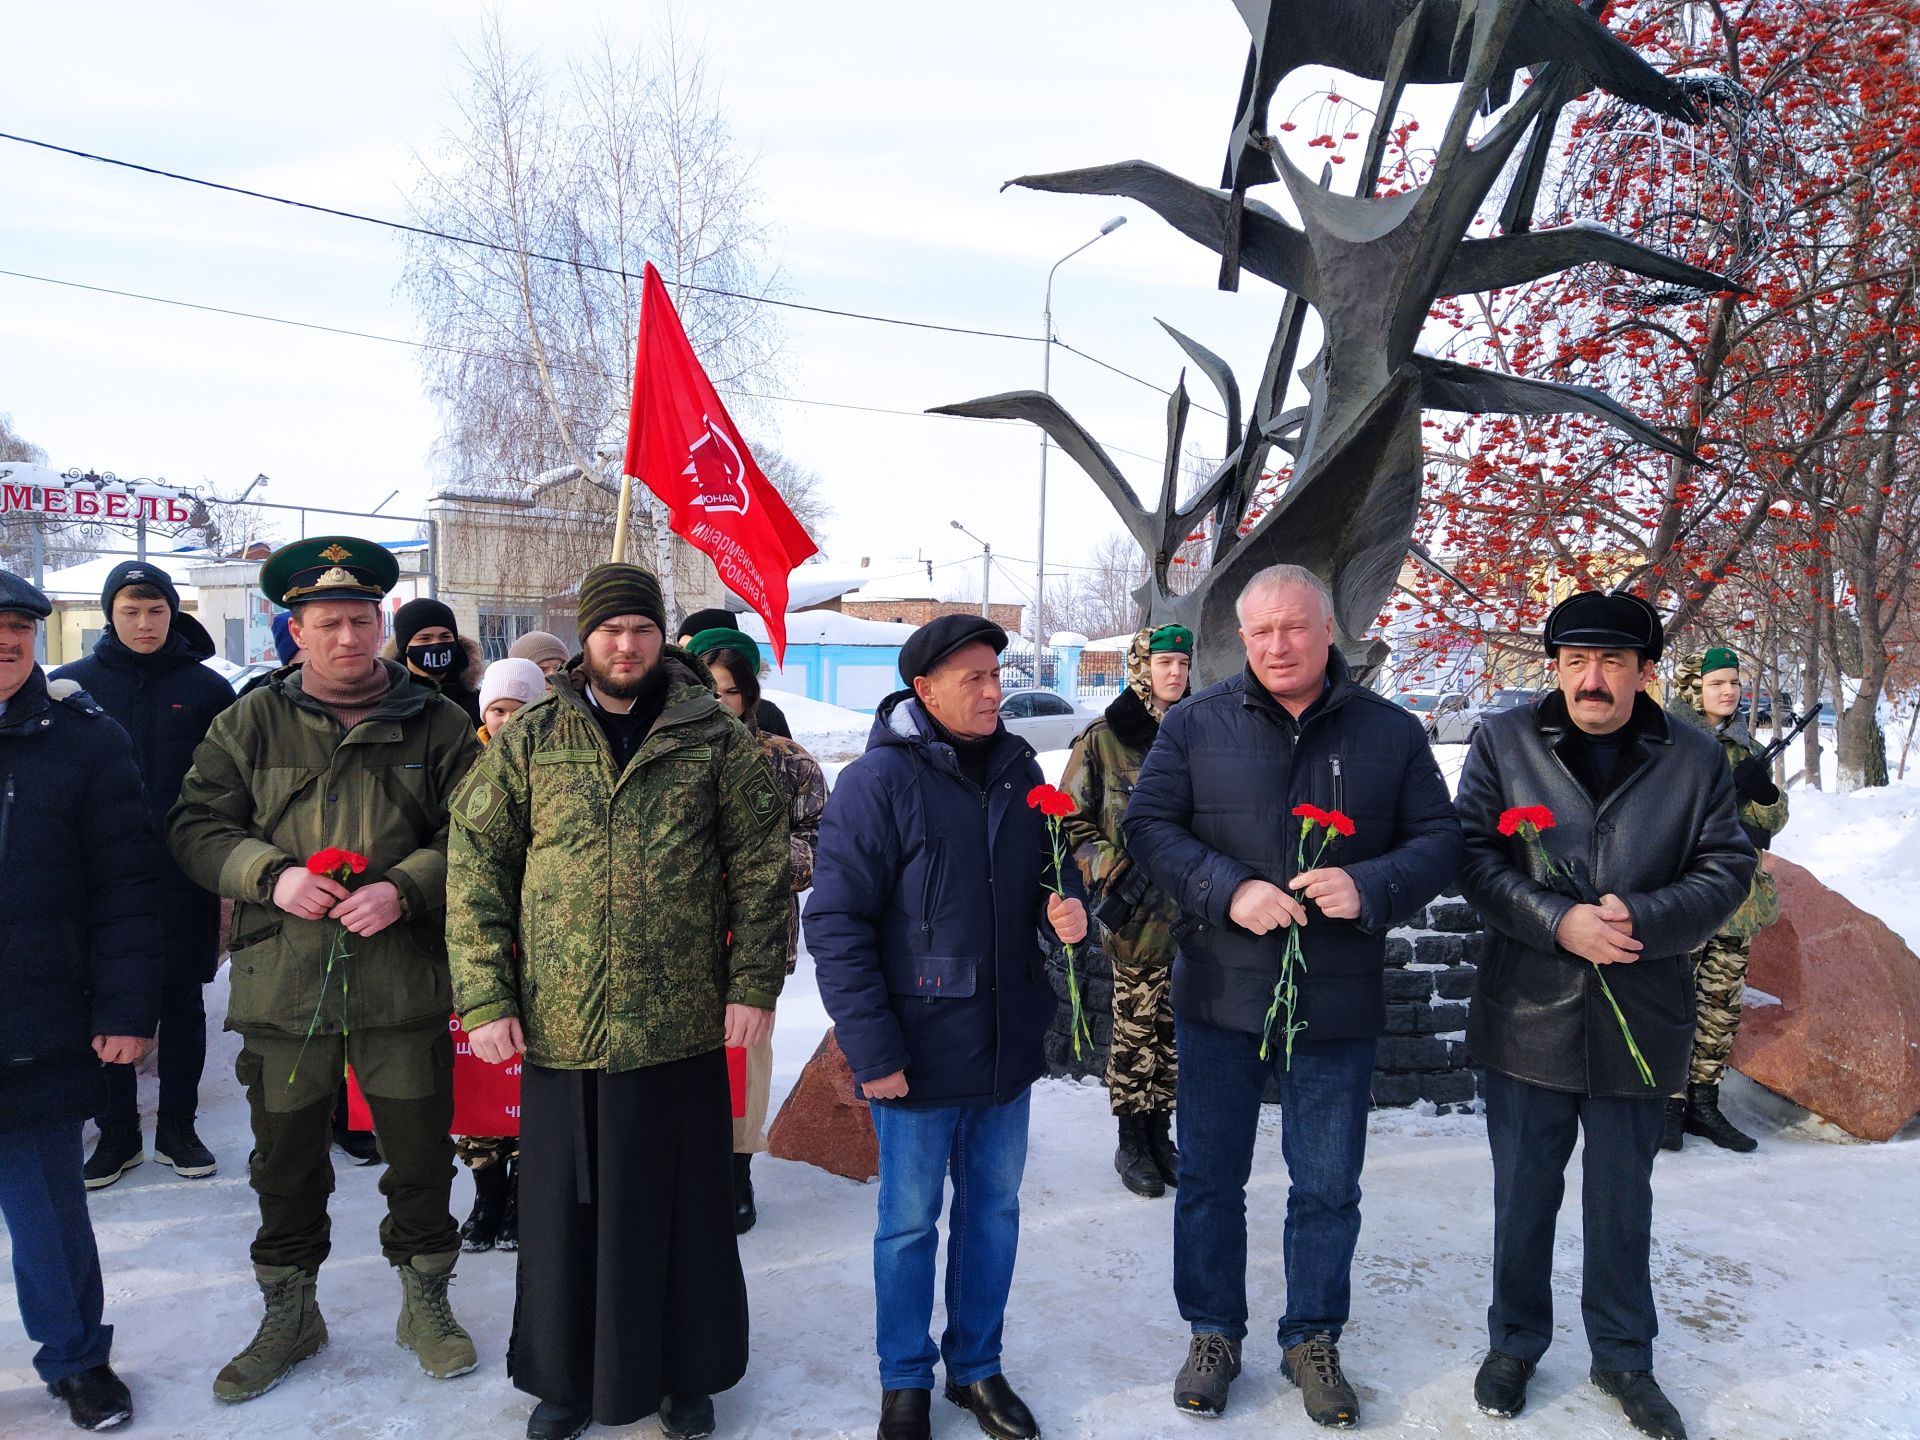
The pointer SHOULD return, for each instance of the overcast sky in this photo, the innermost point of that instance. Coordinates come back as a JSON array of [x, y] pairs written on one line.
[[883, 131]]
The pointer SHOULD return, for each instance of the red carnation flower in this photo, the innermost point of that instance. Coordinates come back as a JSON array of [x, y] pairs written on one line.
[[1051, 800], [1312, 814], [1337, 821]]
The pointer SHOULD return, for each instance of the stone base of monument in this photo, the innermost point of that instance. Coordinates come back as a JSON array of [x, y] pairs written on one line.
[[1423, 1055], [825, 1120], [1832, 1019]]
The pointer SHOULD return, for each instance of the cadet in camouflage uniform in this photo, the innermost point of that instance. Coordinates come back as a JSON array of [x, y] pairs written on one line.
[[1099, 776], [1706, 692], [348, 751], [734, 660], [616, 833]]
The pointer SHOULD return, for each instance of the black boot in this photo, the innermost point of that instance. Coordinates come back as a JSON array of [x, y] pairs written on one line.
[[1647, 1408], [552, 1420], [743, 1212], [995, 1408], [118, 1150], [96, 1399], [686, 1417], [176, 1144], [1675, 1133], [1166, 1159], [1704, 1118], [481, 1229], [509, 1236], [1134, 1162], [358, 1146], [903, 1415]]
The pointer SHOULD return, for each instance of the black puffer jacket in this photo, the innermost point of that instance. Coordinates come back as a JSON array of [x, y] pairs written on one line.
[[1213, 807], [78, 861], [1666, 840], [165, 702]]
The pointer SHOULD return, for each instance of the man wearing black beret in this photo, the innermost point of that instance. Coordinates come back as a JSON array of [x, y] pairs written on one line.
[[1603, 846], [931, 877]]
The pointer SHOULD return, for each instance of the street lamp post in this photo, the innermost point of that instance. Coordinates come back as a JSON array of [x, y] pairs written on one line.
[[1046, 388], [986, 566]]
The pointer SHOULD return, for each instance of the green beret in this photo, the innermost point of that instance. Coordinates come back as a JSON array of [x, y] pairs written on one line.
[[329, 567], [723, 639], [1170, 639], [1718, 658]]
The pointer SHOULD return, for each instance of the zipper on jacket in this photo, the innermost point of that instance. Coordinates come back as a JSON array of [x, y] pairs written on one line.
[[6, 819], [1339, 788]]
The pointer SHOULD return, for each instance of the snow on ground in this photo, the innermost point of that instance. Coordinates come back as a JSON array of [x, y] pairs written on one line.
[[1783, 1280], [1865, 844], [829, 732]]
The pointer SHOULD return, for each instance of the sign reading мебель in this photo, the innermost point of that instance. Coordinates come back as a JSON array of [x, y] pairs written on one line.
[[36, 490]]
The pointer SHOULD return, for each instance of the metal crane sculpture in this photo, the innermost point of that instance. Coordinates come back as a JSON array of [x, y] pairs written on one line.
[[1371, 267]]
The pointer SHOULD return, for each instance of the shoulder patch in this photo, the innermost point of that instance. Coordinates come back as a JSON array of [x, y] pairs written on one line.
[[479, 804], [759, 794]]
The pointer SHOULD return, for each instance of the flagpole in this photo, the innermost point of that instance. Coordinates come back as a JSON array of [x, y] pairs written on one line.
[[620, 513]]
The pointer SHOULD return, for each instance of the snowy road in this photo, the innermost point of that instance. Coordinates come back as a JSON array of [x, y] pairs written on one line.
[[1784, 1279]]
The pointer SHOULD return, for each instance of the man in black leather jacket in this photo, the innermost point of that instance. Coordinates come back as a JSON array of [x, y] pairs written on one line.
[[1647, 859]]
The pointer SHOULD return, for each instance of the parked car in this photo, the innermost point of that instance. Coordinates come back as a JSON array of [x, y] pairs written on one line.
[[244, 675], [1043, 719], [1449, 717]]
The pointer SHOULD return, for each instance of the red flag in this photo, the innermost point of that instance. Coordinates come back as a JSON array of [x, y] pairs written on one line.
[[683, 446]]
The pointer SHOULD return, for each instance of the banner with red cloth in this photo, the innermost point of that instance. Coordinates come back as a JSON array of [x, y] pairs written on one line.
[[486, 1098], [683, 446]]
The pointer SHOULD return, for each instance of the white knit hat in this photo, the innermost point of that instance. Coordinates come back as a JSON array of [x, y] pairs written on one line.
[[520, 680]]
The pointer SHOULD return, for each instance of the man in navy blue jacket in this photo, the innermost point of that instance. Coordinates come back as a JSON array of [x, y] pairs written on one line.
[[145, 672], [1213, 822], [79, 990], [931, 877]]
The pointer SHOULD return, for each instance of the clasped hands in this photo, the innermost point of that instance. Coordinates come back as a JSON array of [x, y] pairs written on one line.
[[1260, 906], [1601, 933], [366, 911]]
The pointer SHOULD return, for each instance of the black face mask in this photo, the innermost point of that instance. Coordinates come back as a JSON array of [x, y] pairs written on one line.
[[434, 661]]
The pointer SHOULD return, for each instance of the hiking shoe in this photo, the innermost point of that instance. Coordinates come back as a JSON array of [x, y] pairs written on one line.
[[1213, 1363], [1703, 1118], [175, 1144], [1314, 1365], [1645, 1404], [290, 1331], [686, 1417], [1500, 1389], [117, 1151], [426, 1325], [97, 1399]]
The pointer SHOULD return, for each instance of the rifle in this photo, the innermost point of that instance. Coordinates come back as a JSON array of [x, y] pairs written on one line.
[[1785, 738]]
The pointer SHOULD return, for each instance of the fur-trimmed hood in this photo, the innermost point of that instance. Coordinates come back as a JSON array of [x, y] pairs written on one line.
[[470, 673]]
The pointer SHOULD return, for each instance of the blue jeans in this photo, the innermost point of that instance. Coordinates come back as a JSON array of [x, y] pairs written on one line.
[[56, 1269], [1323, 1139], [984, 1148]]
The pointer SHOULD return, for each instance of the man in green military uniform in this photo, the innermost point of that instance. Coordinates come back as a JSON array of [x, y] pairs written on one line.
[[345, 752], [617, 912], [1706, 691], [1139, 941]]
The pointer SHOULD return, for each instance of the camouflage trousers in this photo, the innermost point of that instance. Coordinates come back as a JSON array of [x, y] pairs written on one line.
[[477, 1152], [1719, 988], [1140, 1061]]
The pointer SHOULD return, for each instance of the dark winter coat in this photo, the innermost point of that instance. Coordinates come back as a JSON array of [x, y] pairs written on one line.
[[462, 687], [165, 702], [1213, 809], [924, 923], [79, 868], [1666, 840]]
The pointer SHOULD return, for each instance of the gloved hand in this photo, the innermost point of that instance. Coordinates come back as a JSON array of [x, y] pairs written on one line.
[[1752, 782]]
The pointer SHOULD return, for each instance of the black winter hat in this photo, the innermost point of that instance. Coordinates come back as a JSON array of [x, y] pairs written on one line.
[[709, 620], [417, 615], [937, 639], [138, 572], [1617, 621]]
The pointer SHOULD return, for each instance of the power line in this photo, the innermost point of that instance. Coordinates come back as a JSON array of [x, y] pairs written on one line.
[[490, 355], [475, 240], [623, 273]]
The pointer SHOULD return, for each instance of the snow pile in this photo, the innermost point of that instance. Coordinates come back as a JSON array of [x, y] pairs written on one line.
[[829, 627], [1864, 844], [828, 732]]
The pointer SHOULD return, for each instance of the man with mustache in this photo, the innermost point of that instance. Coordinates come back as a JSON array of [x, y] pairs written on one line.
[[1648, 859]]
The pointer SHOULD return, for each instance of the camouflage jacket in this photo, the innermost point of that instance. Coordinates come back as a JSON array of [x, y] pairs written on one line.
[[805, 785], [1100, 776], [1762, 905], [619, 890], [277, 779]]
